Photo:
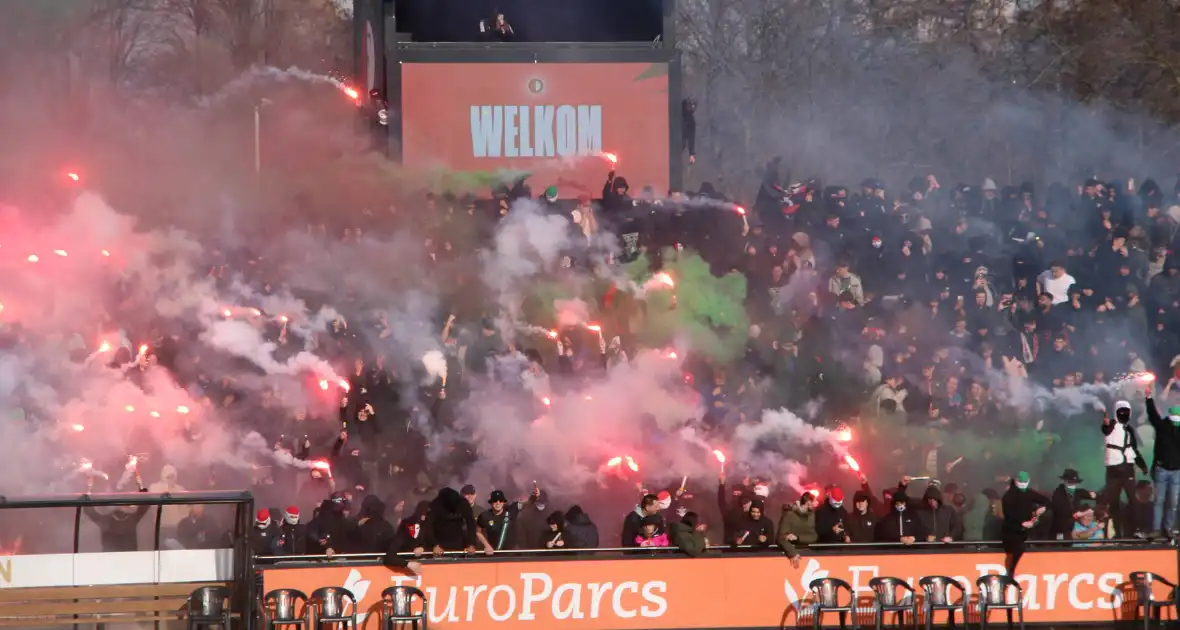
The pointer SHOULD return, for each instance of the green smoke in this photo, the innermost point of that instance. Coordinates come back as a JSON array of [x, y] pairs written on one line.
[[703, 310]]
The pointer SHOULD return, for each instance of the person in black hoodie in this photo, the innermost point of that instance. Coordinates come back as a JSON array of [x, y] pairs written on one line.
[[901, 525], [615, 199], [329, 532], [758, 529], [1023, 508], [941, 522], [409, 538], [862, 520], [579, 532], [531, 518], [450, 526], [830, 519], [1067, 500], [373, 532], [733, 510], [555, 536], [1165, 464]]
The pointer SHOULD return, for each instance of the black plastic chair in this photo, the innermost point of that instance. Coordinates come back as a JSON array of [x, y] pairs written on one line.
[[827, 599], [208, 606], [397, 608], [285, 607], [886, 591], [1147, 604], [993, 595], [334, 605], [936, 590]]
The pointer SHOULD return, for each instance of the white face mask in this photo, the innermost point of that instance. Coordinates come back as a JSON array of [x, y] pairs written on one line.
[[1174, 419], [899, 508], [262, 524], [665, 504], [1022, 486], [836, 504], [1071, 486]]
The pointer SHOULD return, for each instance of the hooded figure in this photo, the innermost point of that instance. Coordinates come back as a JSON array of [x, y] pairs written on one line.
[[450, 525], [758, 529], [1166, 466], [580, 531], [531, 518], [1121, 457], [900, 525], [410, 536], [330, 532], [733, 506], [1023, 508], [171, 515], [862, 519], [554, 536], [373, 532], [688, 534], [941, 522]]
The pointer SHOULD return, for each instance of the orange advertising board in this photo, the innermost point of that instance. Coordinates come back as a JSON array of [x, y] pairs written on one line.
[[553, 120], [720, 592]]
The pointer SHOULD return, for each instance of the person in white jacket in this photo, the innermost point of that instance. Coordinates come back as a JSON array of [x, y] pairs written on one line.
[[1121, 456], [172, 514]]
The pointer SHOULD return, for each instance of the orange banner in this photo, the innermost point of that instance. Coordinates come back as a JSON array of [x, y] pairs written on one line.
[[722, 592], [556, 121]]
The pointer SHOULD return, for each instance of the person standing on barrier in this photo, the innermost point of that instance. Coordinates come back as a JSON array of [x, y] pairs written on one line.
[[1165, 465], [1023, 508], [1121, 458]]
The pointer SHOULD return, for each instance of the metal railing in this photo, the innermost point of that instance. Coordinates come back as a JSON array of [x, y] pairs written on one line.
[[827, 549]]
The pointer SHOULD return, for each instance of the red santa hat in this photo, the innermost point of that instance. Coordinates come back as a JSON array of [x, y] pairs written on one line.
[[836, 495], [291, 515], [263, 517]]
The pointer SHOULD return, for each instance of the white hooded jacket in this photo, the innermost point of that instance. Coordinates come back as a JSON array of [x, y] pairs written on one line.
[[1121, 443], [173, 514]]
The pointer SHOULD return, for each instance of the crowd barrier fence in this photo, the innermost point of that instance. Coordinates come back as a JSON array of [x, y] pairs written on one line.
[[625, 589]]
